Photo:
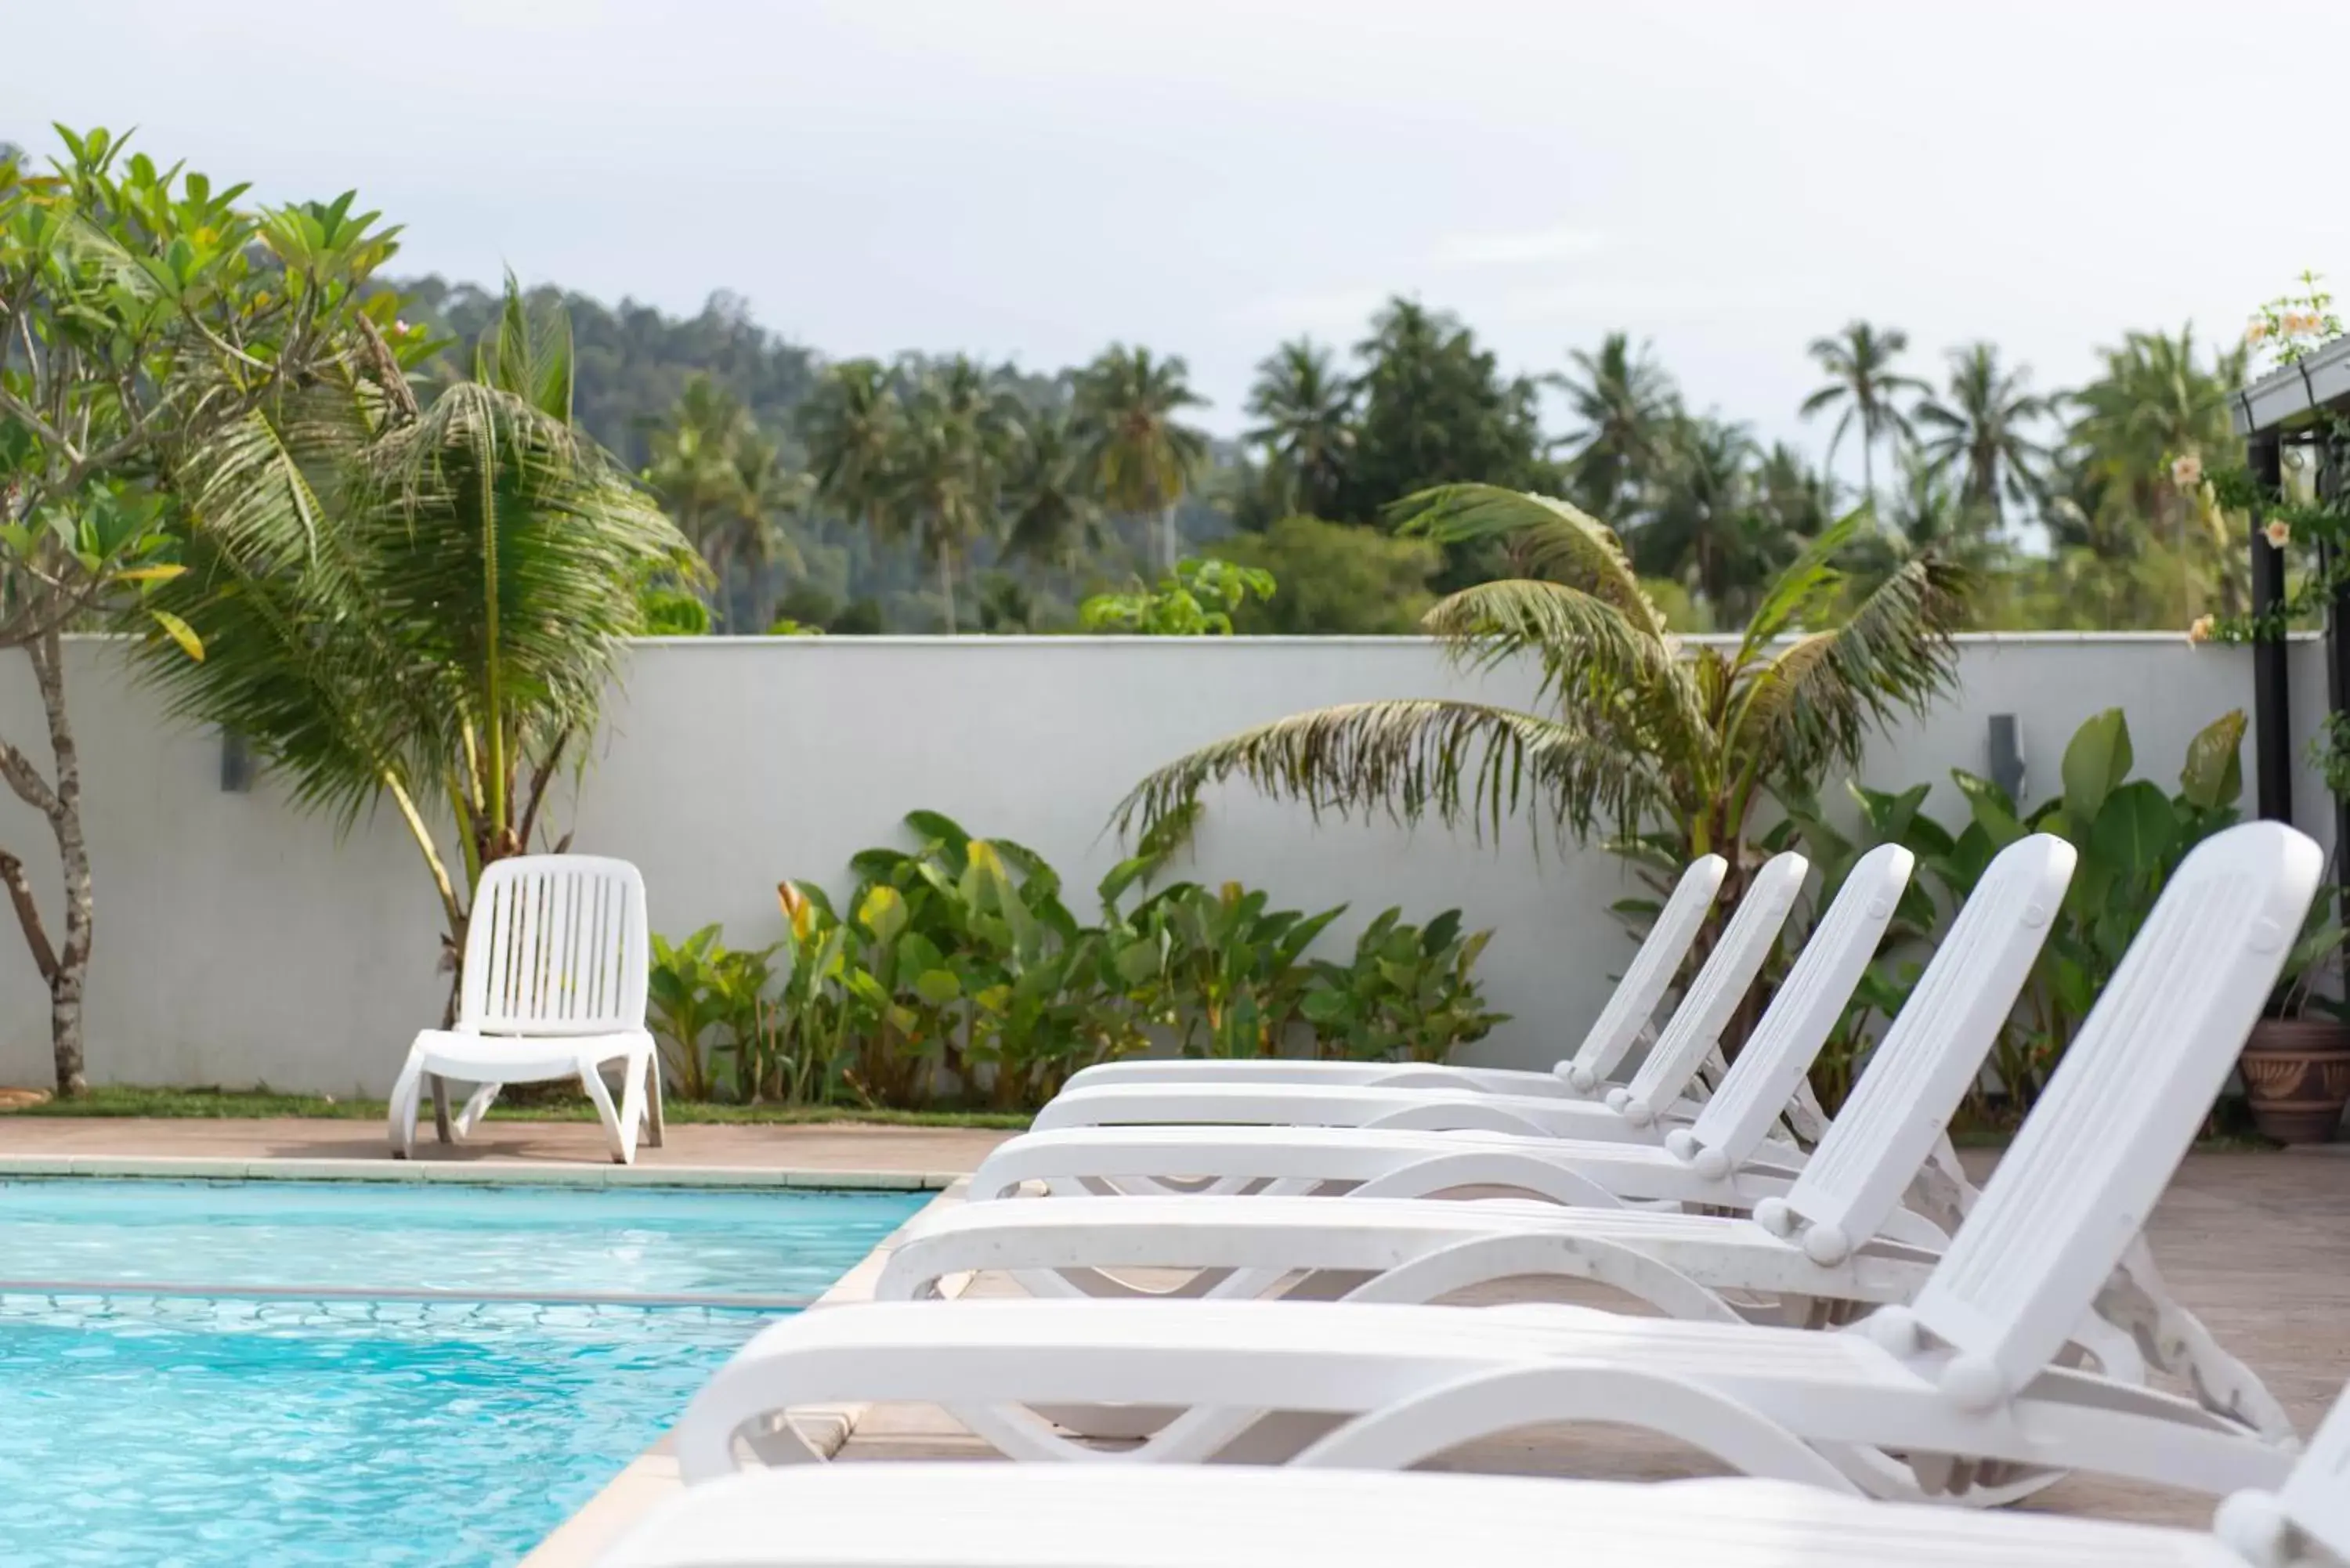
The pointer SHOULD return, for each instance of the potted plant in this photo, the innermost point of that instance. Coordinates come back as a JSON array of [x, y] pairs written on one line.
[[2296, 1066]]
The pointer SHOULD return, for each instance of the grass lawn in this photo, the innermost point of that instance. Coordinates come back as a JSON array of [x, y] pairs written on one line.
[[113, 1100]]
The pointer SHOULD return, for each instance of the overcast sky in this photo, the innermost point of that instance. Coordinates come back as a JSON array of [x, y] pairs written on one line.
[[1034, 178]]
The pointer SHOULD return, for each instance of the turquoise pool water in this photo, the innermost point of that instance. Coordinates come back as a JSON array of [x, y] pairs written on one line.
[[151, 1415]]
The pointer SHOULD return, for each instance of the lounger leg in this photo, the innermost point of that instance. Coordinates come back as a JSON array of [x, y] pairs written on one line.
[[440, 1106], [623, 1139], [657, 1129]]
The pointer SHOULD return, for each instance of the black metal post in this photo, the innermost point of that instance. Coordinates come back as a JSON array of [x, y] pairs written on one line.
[[2337, 648], [2271, 696]]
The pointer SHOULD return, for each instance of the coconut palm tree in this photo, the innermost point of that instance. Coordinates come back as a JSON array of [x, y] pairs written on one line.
[[849, 426], [1052, 516], [1305, 410], [1982, 431], [1142, 455], [1628, 405], [1704, 527], [419, 605], [1639, 737], [1864, 385], [944, 469], [724, 484]]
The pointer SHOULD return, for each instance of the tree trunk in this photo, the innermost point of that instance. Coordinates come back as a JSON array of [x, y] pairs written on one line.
[[946, 582], [66, 966], [1167, 537]]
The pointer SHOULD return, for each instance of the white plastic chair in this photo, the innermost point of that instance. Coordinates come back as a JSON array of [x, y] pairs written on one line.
[[554, 987]]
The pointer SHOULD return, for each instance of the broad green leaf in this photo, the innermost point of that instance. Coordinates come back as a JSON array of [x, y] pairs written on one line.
[[2096, 761], [2134, 831], [883, 912], [149, 574], [937, 986], [2214, 773], [1991, 809]]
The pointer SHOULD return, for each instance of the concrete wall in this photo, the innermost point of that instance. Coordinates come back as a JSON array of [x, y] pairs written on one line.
[[239, 942]]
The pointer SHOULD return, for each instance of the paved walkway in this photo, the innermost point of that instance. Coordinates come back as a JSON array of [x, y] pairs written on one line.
[[840, 1146]]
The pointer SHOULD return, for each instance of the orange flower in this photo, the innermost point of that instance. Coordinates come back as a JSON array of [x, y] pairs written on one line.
[[2199, 628], [2278, 532]]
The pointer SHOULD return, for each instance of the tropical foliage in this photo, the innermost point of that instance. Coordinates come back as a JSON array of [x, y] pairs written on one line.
[[954, 970], [1668, 751]]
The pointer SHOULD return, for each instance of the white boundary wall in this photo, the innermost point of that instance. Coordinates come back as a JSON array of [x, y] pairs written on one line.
[[239, 942]]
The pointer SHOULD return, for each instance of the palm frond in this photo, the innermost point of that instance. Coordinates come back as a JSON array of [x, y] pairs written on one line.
[[1816, 703], [1801, 591], [1465, 763], [1552, 538]]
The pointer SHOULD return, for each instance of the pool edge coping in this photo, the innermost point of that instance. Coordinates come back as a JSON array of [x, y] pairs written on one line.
[[653, 1475], [474, 1173]]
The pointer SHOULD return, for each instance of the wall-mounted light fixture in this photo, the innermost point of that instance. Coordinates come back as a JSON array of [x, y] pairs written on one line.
[[2007, 755]]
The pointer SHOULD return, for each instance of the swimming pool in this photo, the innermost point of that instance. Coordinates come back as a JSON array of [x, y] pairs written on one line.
[[252, 1373]]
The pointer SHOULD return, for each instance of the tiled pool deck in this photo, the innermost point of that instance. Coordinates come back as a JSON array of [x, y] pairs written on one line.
[[2258, 1244]]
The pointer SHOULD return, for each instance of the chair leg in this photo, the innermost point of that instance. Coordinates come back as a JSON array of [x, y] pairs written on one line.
[[401, 1117], [658, 1129], [440, 1106], [478, 1105], [623, 1138]]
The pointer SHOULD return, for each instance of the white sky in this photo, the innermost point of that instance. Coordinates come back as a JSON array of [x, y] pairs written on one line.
[[1033, 178]]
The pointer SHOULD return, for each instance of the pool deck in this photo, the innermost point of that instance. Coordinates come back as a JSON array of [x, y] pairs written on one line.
[[2258, 1244], [833, 1154]]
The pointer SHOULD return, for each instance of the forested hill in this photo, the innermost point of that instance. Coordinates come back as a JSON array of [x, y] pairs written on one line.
[[634, 360]]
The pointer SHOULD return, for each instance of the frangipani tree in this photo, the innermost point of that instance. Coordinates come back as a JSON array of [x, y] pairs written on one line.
[[144, 314], [1667, 750], [422, 606]]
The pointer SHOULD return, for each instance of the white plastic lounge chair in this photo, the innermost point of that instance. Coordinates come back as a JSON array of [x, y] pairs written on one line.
[[1830, 968], [1966, 1371], [1427, 1143], [1586, 1075], [933, 1515], [554, 987], [1811, 1249]]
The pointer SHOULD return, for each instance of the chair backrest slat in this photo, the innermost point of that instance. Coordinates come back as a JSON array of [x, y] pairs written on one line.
[[1774, 1058], [2315, 1498], [1704, 1012], [2118, 1115], [1634, 1002], [558, 945], [1921, 1071]]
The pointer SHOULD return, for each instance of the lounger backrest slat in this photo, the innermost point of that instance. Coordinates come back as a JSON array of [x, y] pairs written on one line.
[[1921, 1069], [1618, 1028], [558, 945], [1773, 1062], [2123, 1104], [1704, 1012], [2315, 1498]]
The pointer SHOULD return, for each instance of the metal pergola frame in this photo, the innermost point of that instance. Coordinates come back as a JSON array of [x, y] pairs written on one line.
[[2288, 408]]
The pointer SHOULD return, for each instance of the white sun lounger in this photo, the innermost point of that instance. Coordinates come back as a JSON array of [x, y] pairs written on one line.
[[1824, 977], [554, 987], [1965, 1371], [1429, 1143], [933, 1515], [1584, 1076], [1814, 1244]]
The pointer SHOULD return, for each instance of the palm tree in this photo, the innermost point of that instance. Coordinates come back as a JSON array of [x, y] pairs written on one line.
[[1051, 513], [724, 484], [1141, 456], [850, 425], [1628, 405], [1982, 431], [419, 605], [945, 468], [1305, 412], [1864, 383], [1704, 528], [1643, 739]]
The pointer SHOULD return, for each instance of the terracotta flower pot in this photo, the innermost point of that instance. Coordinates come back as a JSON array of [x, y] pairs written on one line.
[[2297, 1077]]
